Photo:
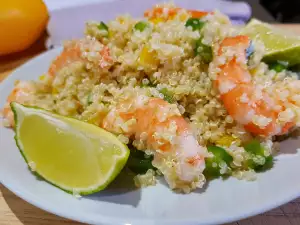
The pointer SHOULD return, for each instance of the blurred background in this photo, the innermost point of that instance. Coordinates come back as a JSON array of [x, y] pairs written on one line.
[[42, 23], [276, 11], [279, 11]]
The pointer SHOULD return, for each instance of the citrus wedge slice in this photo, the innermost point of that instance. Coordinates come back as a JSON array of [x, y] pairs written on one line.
[[78, 157], [280, 44]]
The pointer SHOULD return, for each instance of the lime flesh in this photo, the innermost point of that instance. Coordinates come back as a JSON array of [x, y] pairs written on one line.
[[279, 44], [73, 155]]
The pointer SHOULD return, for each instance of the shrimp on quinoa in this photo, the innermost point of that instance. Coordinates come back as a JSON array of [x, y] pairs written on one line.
[[87, 50], [22, 93], [74, 51], [263, 110], [158, 126]]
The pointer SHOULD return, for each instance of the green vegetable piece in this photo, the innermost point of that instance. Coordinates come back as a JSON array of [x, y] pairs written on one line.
[[139, 166], [141, 26], [103, 26], [204, 51], [147, 85], [167, 95], [256, 149], [136, 153], [212, 169], [279, 66], [268, 164], [138, 162], [220, 154], [195, 23], [90, 98]]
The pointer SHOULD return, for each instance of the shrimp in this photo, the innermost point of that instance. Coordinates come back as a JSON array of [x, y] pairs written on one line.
[[168, 12], [21, 93], [263, 110], [161, 129], [87, 50]]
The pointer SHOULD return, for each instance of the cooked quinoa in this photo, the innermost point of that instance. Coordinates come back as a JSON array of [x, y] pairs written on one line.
[[158, 59]]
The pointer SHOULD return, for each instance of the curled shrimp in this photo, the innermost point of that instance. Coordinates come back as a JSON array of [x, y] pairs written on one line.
[[160, 128], [169, 12], [263, 110], [87, 50], [21, 93]]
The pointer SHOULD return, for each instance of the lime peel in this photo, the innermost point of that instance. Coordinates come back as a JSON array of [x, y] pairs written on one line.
[[279, 44]]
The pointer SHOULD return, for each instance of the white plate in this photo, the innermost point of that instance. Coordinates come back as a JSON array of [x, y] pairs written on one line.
[[220, 202]]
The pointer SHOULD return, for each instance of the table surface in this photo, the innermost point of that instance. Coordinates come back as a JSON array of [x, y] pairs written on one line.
[[15, 211]]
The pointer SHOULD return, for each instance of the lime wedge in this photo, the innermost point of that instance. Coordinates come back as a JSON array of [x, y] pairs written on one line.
[[279, 44], [78, 157]]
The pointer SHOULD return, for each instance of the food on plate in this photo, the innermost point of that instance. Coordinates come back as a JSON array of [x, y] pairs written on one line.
[[21, 24], [192, 96], [279, 45], [75, 156]]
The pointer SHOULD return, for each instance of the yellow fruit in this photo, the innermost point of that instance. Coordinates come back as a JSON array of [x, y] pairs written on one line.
[[21, 24]]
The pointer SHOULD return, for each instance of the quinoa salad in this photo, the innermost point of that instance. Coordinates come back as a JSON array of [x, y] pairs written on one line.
[[188, 93]]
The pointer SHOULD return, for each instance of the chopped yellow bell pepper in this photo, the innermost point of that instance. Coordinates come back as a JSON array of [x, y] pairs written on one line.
[[148, 58], [157, 20], [225, 140], [42, 77]]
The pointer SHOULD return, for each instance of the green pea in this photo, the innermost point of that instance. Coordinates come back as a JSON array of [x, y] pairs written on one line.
[[141, 26], [196, 24]]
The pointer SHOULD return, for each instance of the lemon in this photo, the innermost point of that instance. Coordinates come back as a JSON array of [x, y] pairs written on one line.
[[75, 156], [279, 44], [21, 24]]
